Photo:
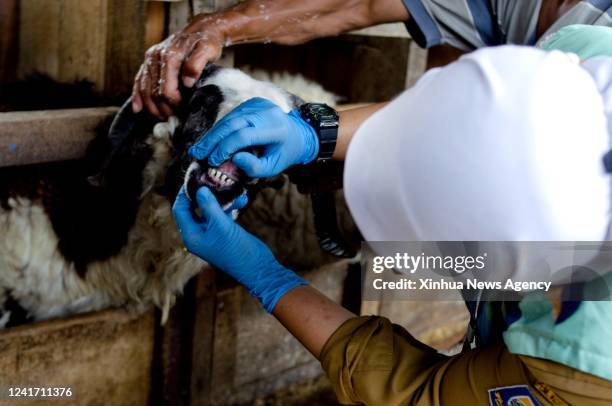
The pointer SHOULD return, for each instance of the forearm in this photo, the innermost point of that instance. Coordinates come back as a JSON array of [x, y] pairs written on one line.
[[350, 121], [296, 21], [310, 316]]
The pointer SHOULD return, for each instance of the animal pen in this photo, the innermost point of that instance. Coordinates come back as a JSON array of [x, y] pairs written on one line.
[[217, 345]]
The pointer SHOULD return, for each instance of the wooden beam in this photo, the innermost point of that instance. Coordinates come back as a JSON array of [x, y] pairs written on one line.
[[29, 137]]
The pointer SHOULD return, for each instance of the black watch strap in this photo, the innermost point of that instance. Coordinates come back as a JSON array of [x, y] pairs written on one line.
[[325, 121]]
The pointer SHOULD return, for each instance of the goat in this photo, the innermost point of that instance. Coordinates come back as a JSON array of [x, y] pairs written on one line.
[[99, 233]]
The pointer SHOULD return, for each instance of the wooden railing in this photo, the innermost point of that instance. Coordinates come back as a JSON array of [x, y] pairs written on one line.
[[31, 137]]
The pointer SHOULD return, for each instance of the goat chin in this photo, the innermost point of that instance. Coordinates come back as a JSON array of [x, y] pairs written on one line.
[[151, 269]]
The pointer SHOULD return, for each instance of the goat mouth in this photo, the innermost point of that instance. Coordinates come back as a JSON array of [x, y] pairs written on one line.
[[225, 175], [226, 181]]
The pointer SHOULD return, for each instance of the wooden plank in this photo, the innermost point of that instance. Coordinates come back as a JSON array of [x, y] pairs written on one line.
[[156, 23], [39, 37], [203, 338], [394, 30], [357, 68], [417, 64], [101, 41], [104, 357], [30, 137], [65, 39], [82, 39], [210, 6], [9, 29], [180, 15], [227, 316], [125, 44], [176, 349]]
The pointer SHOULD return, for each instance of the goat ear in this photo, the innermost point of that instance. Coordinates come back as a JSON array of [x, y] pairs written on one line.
[[126, 128]]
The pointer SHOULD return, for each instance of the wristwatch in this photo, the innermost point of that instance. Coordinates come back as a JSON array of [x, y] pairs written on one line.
[[325, 122]]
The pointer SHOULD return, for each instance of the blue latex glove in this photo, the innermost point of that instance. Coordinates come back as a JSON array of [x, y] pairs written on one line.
[[287, 139], [217, 239], [239, 203]]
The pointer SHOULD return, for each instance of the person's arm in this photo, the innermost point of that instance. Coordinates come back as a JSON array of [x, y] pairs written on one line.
[[310, 316], [215, 237], [367, 359], [184, 54], [350, 121], [291, 22], [287, 139]]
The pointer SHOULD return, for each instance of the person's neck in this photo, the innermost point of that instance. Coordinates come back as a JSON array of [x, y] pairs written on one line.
[[551, 11]]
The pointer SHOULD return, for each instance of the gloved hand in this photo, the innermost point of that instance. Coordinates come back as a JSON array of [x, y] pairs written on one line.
[[239, 203], [216, 238], [287, 139]]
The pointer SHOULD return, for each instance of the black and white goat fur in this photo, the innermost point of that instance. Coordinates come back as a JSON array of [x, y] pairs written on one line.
[[73, 244]]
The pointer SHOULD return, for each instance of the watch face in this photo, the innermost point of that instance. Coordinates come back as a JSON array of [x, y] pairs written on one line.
[[324, 114]]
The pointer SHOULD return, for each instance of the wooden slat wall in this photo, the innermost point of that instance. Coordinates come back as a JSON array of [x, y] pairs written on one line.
[[98, 40], [8, 39], [125, 43], [104, 357]]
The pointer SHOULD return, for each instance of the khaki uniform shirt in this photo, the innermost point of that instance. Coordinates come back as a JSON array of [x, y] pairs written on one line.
[[373, 362]]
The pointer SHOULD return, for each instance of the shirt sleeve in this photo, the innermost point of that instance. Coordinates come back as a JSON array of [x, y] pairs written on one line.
[[371, 361], [472, 24]]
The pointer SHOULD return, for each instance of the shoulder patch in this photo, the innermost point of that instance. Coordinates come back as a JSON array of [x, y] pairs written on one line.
[[517, 395]]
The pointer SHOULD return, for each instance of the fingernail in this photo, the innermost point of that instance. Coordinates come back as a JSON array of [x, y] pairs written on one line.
[[189, 81]]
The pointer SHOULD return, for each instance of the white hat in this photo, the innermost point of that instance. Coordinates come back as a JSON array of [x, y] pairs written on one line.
[[506, 144]]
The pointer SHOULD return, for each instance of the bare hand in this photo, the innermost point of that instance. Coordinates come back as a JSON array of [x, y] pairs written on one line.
[[185, 53]]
